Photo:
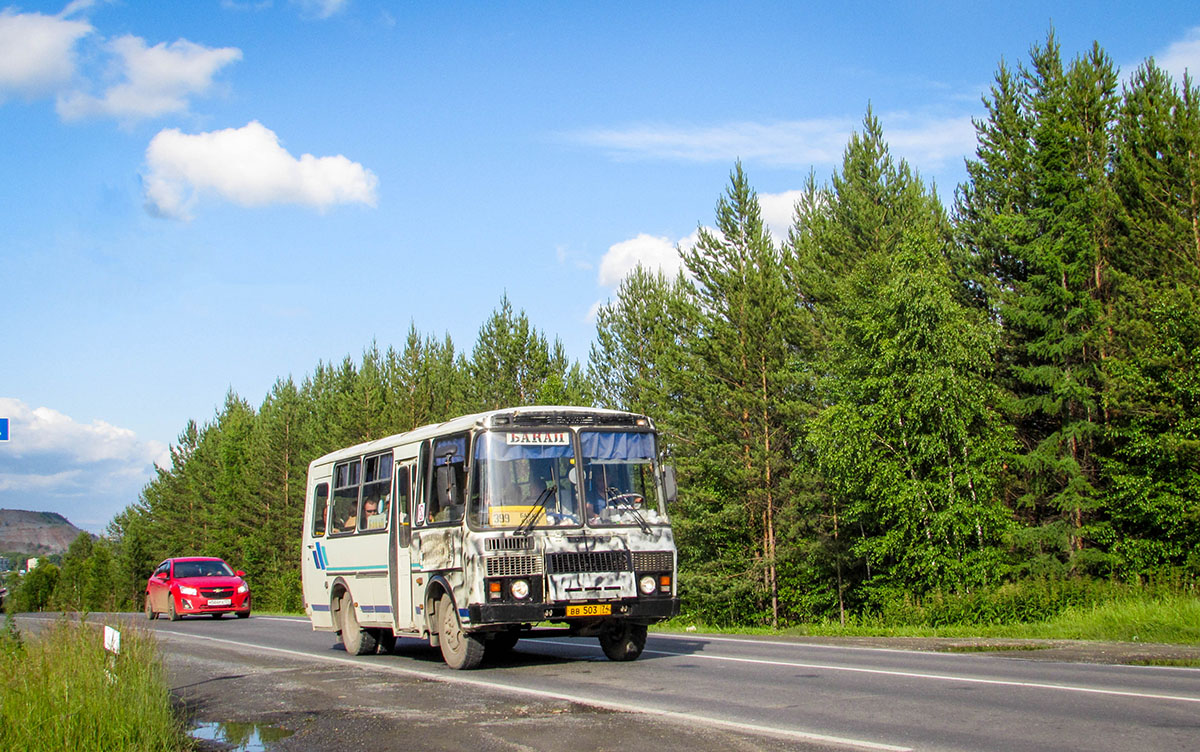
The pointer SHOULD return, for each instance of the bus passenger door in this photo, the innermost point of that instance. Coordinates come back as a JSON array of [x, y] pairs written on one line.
[[316, 589], [400, 578]]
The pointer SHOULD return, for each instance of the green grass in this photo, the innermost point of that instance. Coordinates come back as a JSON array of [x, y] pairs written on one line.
[[60, 690], [1168, 618]]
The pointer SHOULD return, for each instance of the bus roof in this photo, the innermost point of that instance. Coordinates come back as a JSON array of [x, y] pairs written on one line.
[[466, 422]]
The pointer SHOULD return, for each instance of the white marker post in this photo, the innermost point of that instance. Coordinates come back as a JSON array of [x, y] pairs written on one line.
[[112, 643]]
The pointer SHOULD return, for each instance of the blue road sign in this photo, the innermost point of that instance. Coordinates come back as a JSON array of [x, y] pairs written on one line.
[[3, 429]]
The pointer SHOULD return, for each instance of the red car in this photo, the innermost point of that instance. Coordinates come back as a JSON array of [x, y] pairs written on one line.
[[196, 585]]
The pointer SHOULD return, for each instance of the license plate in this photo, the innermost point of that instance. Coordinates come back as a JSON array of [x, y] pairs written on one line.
[[220, 602], [592, 609]]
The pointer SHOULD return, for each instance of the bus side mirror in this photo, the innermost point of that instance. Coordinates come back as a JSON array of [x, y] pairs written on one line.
[[447, 486], [670, 488]]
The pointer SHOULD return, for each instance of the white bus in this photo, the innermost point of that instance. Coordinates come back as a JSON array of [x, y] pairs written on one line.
[[472, 532]]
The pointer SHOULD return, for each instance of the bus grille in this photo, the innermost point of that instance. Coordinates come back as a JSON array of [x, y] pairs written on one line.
[[653, 561], [588, 561], [508, 544], [513, 566]]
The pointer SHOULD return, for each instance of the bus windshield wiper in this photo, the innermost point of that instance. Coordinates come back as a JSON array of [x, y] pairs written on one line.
[[539, 504], [621, 501]]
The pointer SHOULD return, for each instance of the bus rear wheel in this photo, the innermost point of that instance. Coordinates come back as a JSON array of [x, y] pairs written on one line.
[[622, 641], [357, 641], [459, 649]]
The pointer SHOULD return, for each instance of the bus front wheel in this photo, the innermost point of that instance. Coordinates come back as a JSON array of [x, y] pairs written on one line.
[[459, 649], [357, 641], [622, 641]]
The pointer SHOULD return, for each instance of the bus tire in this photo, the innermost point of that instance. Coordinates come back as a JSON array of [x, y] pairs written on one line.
[[460, 650], [355, 639], [622, 641]]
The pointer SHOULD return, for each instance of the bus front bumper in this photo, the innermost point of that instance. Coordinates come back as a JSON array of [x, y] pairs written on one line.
[[648, 610]]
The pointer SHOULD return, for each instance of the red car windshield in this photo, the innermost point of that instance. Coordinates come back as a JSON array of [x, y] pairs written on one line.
[[202, 569]]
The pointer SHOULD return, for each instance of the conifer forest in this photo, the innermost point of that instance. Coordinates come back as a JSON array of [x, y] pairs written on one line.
[[989, 400]]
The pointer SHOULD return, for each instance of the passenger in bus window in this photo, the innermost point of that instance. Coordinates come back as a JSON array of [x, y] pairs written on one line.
[[376, 520], [319, 521], [351, 522]]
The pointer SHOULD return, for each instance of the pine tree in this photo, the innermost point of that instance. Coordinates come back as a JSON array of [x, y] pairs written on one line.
[[637, 345], [738, 404], [1040, 214], [510, 362]]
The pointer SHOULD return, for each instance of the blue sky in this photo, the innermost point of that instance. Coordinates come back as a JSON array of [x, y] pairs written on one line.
[[199, 195]]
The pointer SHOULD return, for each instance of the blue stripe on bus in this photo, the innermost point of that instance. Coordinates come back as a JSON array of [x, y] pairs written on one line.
[[319, 607], [375, 609], [363, 568]]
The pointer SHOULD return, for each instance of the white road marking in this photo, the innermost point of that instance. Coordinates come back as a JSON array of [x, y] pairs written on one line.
[[909, 651], [687, 718], [912, 674]]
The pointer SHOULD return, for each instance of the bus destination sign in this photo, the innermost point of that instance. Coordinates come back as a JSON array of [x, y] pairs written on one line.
[[544, 438]]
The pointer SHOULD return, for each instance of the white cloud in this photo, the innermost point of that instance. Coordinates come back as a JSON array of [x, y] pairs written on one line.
[[248, 167], [648, 250], [924, 140], [19, 482], [651, 252], [87, 472], [37, 52], [799, 142], [929, 143], [320, 8], [155, 80], [778, 212], [1183, 55], [42, 430]]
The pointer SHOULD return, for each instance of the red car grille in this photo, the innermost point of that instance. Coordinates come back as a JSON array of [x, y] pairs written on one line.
[[216, 592]]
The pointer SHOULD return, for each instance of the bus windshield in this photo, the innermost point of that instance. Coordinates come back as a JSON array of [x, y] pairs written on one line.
[[619, 480], [523, 479]]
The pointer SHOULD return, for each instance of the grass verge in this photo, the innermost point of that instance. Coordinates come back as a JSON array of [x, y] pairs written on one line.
[[61, 690], [1173, 619]]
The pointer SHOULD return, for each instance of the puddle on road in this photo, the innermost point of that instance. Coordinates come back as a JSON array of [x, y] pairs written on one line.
[[246, 737]]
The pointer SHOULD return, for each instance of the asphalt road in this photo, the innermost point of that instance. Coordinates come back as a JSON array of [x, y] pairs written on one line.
[[685, 693]]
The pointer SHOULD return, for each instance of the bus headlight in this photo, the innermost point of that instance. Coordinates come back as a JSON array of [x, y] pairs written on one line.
[[519, 589], [647, 584]]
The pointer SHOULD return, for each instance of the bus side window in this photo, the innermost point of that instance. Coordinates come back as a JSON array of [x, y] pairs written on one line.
[[320, 509], [346, 485], [401, 501], [376, 492]]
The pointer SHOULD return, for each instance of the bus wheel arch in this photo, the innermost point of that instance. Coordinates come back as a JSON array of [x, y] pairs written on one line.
[[433, 595]]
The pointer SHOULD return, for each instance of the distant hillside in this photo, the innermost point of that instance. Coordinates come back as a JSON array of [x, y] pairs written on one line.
[[35, 533]]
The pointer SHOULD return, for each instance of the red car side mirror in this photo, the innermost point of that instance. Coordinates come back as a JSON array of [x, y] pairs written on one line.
[[162, 575], [240, 573]]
